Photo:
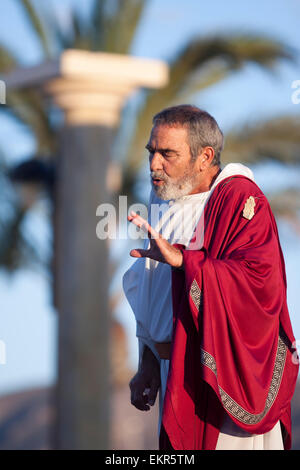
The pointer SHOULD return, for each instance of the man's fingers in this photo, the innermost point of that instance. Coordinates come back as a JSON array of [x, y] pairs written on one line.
[[140, 402], [138, 398], [139, 253], [152, 393], [137, 220]]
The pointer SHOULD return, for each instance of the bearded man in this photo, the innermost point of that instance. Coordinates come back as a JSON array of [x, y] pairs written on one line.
[[208, 291]]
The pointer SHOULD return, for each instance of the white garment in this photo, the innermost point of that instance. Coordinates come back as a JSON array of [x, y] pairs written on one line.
[[147, 283], [232, 437]]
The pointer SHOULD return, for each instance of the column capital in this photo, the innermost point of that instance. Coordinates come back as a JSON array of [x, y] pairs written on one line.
[[91, 87]]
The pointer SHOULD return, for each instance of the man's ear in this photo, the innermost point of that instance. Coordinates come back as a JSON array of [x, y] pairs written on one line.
[[206, 157]]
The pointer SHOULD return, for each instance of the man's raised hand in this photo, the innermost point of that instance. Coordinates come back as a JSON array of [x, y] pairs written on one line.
[[160, 249]]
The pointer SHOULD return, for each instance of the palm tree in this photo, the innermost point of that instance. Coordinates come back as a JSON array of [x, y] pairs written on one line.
[[201, 63]]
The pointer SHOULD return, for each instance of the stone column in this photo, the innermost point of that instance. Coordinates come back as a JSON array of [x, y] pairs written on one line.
[[91, 88]]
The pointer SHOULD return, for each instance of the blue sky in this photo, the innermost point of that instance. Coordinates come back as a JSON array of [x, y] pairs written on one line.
[[27, 319]]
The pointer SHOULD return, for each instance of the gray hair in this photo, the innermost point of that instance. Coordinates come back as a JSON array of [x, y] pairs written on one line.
[[203, 130]]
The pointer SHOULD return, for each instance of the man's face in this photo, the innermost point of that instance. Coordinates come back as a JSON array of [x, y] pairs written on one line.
[[171, 168]]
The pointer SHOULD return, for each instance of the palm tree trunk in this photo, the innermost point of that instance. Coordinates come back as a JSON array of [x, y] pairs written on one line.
[[81, 284]]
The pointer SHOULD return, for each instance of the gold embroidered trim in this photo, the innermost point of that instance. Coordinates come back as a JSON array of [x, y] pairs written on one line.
[[234, 408], [195, 293]]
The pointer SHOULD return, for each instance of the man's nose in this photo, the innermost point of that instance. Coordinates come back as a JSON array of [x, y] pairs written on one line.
[[155, 161]]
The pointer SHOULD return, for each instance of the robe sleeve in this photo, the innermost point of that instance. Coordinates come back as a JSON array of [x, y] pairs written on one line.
[[236, 290]]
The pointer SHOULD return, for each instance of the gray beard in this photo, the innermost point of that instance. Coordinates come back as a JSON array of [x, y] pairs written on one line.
[[174, 189]]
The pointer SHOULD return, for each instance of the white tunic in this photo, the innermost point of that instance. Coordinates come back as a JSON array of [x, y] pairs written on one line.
[[147, 283]]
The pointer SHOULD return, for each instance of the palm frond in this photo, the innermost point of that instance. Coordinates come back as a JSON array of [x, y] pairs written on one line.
[[286, 202], [77, 36], [27, 107], [115, 23], [37, 26], [10, 241], [277, 139], [7, 59], [63, 37], [286, 205], [81, 36], [15, 249]]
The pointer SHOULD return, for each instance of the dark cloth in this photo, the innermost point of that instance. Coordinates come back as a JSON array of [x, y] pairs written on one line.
[[232, 346]]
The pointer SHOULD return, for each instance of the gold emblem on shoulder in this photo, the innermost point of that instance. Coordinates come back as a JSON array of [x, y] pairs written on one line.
[[248, 211]]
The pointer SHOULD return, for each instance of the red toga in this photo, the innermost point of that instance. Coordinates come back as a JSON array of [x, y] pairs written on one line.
[[232, 337]]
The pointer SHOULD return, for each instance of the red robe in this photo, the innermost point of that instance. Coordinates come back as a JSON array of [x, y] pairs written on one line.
[[232, 347]]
